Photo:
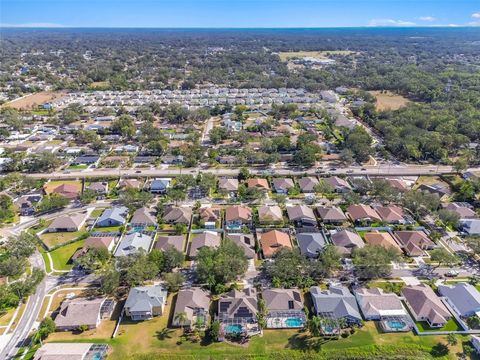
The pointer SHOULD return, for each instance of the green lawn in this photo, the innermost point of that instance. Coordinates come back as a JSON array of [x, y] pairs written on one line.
[[62, 255], [96, 213], [53, 239], [106, 229], [451, 325], [77, 167]]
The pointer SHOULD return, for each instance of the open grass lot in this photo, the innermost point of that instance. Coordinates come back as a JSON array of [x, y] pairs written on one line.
[[388, 100], [53, 184], [451, 325], [284, 56], [6, 317], [58, 238], [32, 101], [62, 255]]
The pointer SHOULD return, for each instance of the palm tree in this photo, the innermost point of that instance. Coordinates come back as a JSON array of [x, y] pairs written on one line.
[[314, 325], [181, 318]]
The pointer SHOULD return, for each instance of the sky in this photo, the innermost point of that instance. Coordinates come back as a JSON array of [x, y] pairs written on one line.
[[238, 13]]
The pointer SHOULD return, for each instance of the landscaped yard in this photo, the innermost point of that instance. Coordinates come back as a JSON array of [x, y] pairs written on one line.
[[58, 238], [107, 229], [62, 255], [451, 325]]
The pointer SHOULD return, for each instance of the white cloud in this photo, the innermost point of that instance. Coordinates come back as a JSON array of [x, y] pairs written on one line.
[[390, 22], [474, 23], [476, 15], [32, 25], [426, 18]]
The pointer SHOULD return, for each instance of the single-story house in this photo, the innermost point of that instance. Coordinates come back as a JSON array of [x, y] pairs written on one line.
[[363, 213], [237, 216], [195, 304], [228, 185], [273, 240], [414, 243], [391, 214], [114, 216], [67, 223], [99, 187], [159, 186], [377, 304], [205, 239], [311, 244], [97, 241], [70, 351], [145, 302], [164, 242], [129, 184], [209, 214], [470, 226], [270, 214], [82, 311], [246, 242], [338, 184], [301, 215], [177, 215], [346, 241], [336, 303], [282, 185], [331, 215], [70, 191], [384, 239], [259, 183], [464, 210], [132, 243], [282, 305], [238, 307], [462, 297], [143, 217], [307, 184]]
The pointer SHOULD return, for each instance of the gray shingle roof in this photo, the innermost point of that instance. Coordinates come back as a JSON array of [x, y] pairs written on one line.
[[311, 244], [144, 298], [337, 302], [132, 243], [465, 297]]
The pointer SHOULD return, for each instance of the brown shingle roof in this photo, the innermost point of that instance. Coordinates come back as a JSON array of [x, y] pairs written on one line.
[[238, 213], [272, 240]]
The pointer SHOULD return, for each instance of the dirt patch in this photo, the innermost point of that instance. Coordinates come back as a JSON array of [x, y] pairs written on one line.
[[30, 102], [389, 101], [284, 56]]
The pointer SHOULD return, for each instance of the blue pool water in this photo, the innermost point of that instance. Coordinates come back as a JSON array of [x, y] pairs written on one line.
[[294, 322], [396, 324], [97, 356], [233, 329], [328, 329]]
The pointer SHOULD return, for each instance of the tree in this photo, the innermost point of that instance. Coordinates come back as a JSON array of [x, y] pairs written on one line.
[[21, 246], [124, 126], [347, 156], [135, 199], [217, 135], [174, 281], [43, 162], [243, 174], [360, 143], [82, 328], [214, 330], [181, 318], [452, 340], [6, 208], [176, 194], [262, 314], [443, 257], [51, 202], [109, 281], [449, 218], [289, 267], [323, 187], [473, 243], [460, 165], [46, 327], [314, 326], [173, 258], [373, 261], [96, 258], [87, 196]]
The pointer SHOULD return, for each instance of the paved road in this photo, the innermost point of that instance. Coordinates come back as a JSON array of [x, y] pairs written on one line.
[[380, 170]]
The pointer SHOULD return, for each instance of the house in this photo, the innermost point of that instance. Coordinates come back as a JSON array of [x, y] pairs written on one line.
[[270, 215], [209, 214], [195, 304], [99, 187], [425, 305], [177, 215], [397, 184], [391, 214], [384, 239], [261, 184], [376, 304], [331, 215], [205, 239], [71, 351], [470, 226], [145, 302], [282, 185], [114, 216], [129, 184], [464, 210], [475, 340], [442, 190], [283, 305], [228, 185], [237, 216], [133, 243], [346, 241], [83, 311], [238, 307], [307, 184], [273, 240], [301, 215], [336, 303], [67, 223], [362, 213], [100, 241], [414, 243], [311, 244], [176, 241], [143, 217], [159, 186], [26, 204], [339, 185], [70, 191], [87, 159], [246, 242], [462, 297]]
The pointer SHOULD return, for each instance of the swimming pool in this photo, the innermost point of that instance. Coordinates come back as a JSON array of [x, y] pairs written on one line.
[[294, 322], [328, 329], [396, 324], [233, 329]]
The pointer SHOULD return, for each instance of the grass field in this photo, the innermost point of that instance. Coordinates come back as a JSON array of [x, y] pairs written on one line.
[[96, 213], [451, 325], [284, 56], [57, 238], [32, 101], [48, 187], [62, 255], [388, 100], [5, 318]]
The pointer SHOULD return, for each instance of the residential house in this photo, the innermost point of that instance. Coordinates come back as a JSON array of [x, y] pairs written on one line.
[[464, 210], [226, 185], [282, 185], [425, 305], [336, 303], [114, 216], [143, 217], [414, 243], [270, 215], [362, 213], [71, 351], [475, 340], [195, 304], [99, 187], [338, 184], [238, 307], [145, 302], [205, 239], [283, 305], [384, 239], [271, 241], [67, 223], [176, 241], [159, 186], [82, 311], [129, 184], [470, 226], [311, 244], [177, 215], [87, 159], [331, 215], [398, 184], [391, 214], [26, 204], [442, 190], [463, 298], [346, 241], [259, 183], [209, 214], [70, 191], [307, 184], [237, 216], [133, 243], [301, 215], [246, 242], [100, 241]]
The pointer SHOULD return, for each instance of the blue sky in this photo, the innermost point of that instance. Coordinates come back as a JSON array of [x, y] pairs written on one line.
[[238, 13]]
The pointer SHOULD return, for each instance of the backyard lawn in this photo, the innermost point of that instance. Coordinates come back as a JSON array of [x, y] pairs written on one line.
[[53, 239], [96, 213], [62, 255], [451, 325], [107, 229]]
